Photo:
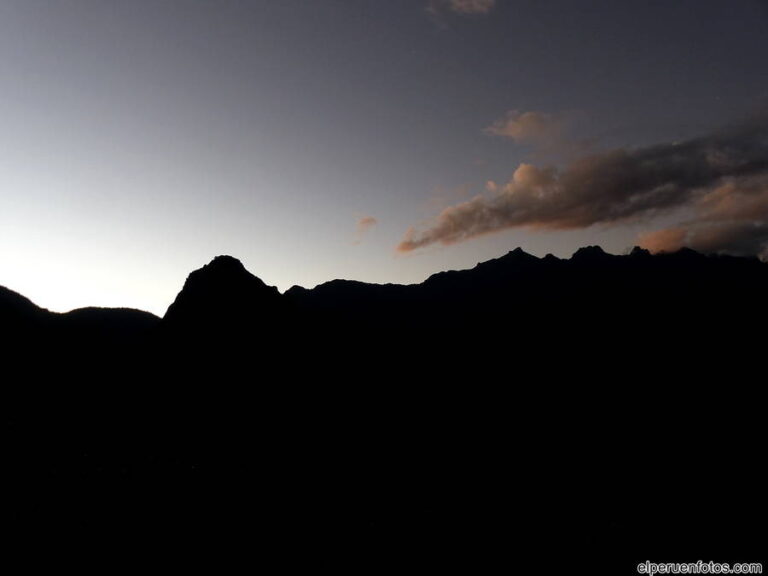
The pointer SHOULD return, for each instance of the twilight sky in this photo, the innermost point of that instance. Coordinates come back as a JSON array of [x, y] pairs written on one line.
[[376, 140]]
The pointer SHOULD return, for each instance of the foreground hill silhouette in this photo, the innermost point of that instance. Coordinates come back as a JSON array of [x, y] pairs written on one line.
[[604, 409]]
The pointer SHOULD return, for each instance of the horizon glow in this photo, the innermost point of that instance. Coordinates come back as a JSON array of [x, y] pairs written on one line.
[[143, 139]]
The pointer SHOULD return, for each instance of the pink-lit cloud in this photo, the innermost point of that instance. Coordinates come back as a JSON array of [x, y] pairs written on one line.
[[720, 178], [538, 128], [364, 225], [731, 218]]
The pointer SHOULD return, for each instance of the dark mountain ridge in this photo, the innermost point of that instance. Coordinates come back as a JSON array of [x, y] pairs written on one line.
[[224, 291], [26, 324], [601, 407], [220, 291]]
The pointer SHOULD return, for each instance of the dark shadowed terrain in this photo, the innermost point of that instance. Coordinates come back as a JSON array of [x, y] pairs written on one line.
[[592, 413]]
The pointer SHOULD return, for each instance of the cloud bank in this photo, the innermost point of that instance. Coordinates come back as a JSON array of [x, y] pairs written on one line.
[[730, 218], [722, 178]]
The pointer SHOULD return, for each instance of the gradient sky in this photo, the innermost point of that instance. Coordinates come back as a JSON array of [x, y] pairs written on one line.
[[306, 137]]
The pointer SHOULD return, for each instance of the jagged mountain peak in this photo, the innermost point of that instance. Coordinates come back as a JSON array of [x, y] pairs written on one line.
[[590, 253], [224, 262], [513, 258], [222, 288], [518, 254], [224, 270]]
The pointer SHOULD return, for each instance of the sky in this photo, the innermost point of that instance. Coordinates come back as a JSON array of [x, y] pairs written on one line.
[[372, 140]]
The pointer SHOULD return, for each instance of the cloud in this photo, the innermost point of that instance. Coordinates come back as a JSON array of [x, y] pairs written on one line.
[[548, 135], [668, 240], [472, 6], [739, 238], [721, 177], [731, 218], [529, 127], [364, 225], [462, 6]]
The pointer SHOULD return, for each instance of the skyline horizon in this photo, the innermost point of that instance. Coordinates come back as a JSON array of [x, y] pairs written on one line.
[[322, 140], [160, 312]]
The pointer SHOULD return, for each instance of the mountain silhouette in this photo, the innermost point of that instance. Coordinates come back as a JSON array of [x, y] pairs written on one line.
[[222, 292], [14, 305], [602, 407]]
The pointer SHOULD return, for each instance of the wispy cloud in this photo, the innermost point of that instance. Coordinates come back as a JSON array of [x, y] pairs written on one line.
[[548, 135], [472, 6], [462, 6], [722, 178], [364, 225], [529, 127]]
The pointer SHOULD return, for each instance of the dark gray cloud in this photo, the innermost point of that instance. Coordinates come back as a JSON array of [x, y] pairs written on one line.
[[730, 218], [720, 176]]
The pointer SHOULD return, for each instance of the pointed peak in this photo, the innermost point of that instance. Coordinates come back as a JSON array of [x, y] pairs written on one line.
[[222, 288], [685, 251], [225, 262], [226, 271], [518, 254], [638, 252], [295, 289], [223, 269], [589, 252], [686, 254]]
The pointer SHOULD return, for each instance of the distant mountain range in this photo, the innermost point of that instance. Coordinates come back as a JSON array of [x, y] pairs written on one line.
[[602, 407], [223, 293]]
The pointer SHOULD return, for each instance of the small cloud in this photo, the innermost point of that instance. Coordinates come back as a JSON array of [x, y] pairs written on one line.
[[472, 6], [465, 7], [364, 225], [537, 128]]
